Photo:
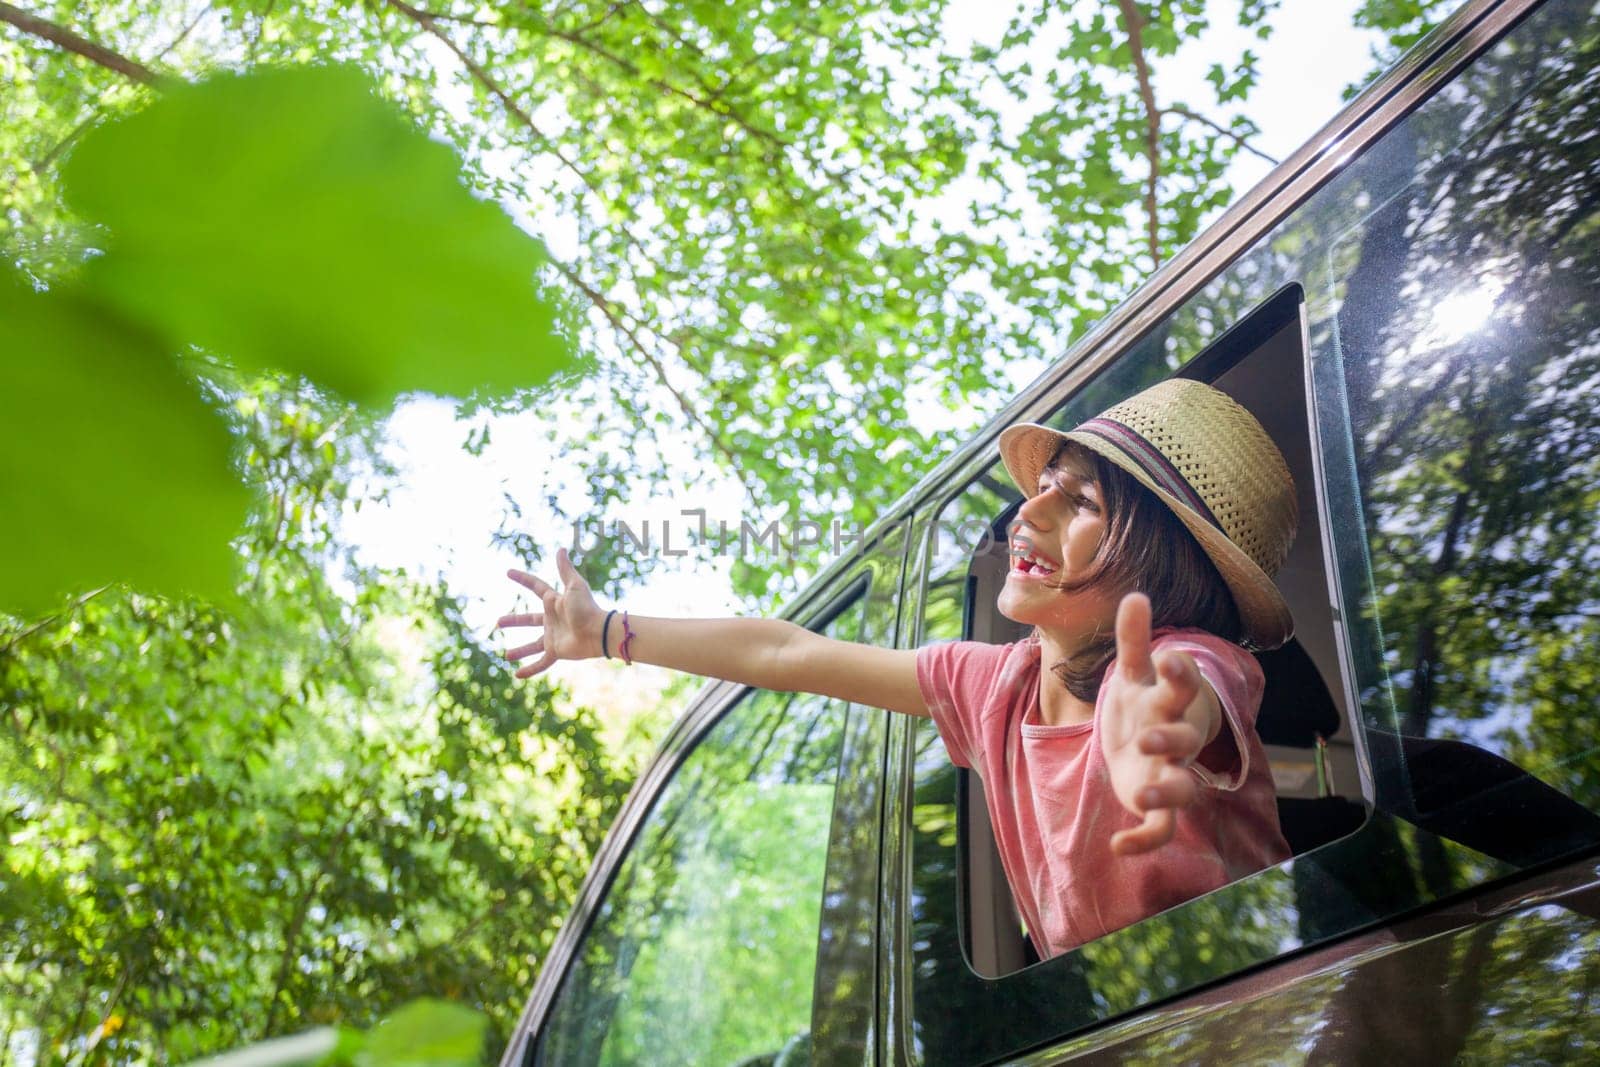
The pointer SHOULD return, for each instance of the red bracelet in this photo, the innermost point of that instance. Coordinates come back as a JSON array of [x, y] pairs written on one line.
[[627, 636]]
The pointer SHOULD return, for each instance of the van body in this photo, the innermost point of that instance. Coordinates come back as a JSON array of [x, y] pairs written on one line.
[[1410, 306]]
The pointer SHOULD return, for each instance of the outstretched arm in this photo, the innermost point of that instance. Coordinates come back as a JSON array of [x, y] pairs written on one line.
[[767, 653], [1159, 713]]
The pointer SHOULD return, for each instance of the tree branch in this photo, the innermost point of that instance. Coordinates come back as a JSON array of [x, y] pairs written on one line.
[[723, 111], [781, 42], [66, 40], [1176, 109], [110, 1006], [459, 20], [610, 312], [22, 635], [605, 17], [484, 78], [183, 34], [261, 29], [778, 149], [495, 89], [1152, 119], [713, 93], [96, 111], [291, 940]]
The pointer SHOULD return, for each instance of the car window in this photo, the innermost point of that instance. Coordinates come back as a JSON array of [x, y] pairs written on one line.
[[705, 947]]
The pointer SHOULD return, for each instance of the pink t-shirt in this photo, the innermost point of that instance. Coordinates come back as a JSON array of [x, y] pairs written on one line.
[[1052, 805]]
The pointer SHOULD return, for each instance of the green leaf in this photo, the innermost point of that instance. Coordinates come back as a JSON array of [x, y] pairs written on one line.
[[290, 218], [309, 1047], [427, 1033], [112, 467]]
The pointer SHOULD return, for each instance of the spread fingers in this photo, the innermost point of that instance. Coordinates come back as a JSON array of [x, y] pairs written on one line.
[[1173, 788], [525, 651], [1133, 639], [1181, 678], [539, 586], [1180, 740], [536, 667], [564, 567]]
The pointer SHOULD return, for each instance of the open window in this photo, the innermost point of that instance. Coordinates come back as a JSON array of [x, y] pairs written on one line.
[[1304, 721]]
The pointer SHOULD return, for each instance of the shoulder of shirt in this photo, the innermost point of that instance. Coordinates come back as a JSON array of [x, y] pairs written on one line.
[[1002, 659], [1195, 636], [1228, 655], [1226, 651], [1026, 644]]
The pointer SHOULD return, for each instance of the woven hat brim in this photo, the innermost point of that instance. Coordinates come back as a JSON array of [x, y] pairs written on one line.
[[1027, 447]]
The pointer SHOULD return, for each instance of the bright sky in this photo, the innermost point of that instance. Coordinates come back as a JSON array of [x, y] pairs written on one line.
[[439, 518]]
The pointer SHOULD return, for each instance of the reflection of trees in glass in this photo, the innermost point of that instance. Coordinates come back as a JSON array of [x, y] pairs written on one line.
[[1479, 452], [1540, 991], [935, 868], [940, 960], [1521, 989], [1220, 931], [1474, 376], [704, 950], [964, 529], [844, 1004]]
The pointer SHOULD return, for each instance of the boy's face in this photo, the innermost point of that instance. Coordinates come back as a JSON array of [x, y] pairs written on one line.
[[1055, 539]]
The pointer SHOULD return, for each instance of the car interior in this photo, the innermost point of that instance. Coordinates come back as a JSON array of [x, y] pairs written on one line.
[[1304, 721]]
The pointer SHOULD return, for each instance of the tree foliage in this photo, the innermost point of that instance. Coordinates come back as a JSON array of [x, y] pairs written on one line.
[[230, 824], [812, 226], [803, 223], [331, 240]]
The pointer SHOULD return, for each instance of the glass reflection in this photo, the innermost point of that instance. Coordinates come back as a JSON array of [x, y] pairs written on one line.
[[1473, 374], [1513, 990]]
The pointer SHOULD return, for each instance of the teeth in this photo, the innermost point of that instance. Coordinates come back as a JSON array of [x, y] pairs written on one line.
[[1024, 553]]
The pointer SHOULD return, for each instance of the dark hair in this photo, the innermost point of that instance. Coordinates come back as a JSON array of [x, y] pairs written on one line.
[[1147, 549]]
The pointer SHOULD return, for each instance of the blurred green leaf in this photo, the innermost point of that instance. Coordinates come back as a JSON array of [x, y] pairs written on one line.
[[111, 464], [427, 1033], [290, 218], [423, 1033], [313, 1046]]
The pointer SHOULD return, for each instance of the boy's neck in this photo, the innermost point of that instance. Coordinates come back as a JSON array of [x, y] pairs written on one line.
[[1057, 705]]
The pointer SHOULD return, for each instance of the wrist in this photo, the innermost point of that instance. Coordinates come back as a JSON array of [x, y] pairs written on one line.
[[615, 635]]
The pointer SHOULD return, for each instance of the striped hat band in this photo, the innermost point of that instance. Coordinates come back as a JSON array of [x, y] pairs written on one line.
[[1149, 458]]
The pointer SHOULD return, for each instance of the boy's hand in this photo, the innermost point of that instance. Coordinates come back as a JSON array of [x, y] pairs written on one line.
[[1148, 729], [571, 619]]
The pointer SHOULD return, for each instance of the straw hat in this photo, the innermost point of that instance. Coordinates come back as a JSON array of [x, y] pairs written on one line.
[[1207, 459]]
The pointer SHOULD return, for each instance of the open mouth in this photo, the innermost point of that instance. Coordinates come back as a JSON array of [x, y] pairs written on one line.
[[1026, 561]]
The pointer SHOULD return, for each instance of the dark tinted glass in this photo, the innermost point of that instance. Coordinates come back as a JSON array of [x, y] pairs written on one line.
[[705, 948], [1454, 347]]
